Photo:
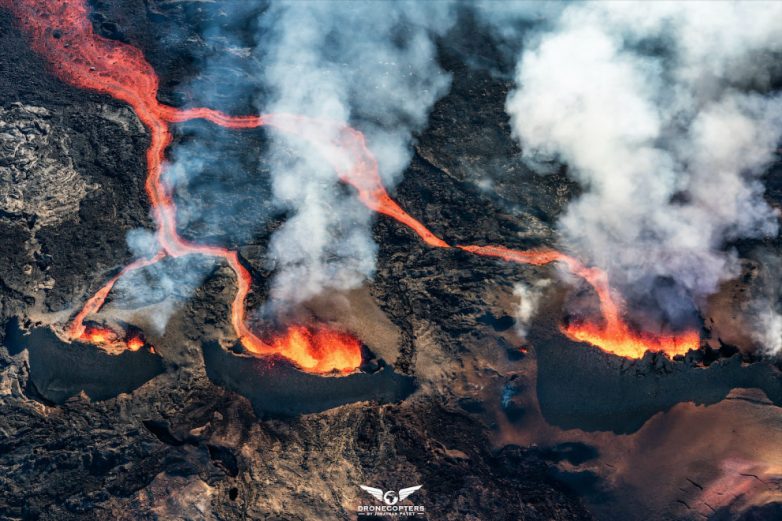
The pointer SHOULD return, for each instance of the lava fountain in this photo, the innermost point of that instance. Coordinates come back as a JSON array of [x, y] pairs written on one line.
[[62, 34]]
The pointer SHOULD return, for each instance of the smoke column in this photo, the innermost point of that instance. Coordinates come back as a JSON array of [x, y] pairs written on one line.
[[667, 114]]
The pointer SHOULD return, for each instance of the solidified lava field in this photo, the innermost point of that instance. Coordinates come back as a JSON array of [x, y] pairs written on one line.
[[261, 258]]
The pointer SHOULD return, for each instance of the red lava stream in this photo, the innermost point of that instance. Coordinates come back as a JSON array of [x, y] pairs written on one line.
[[62, 33]]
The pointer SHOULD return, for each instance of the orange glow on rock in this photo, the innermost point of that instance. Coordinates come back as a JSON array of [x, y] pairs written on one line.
[[321, 351], [614, 336], [109, 341], [62, 33], [135, 343], [620, 340], [98, 336]]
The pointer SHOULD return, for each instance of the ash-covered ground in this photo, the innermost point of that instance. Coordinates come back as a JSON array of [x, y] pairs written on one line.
[[492, 426]]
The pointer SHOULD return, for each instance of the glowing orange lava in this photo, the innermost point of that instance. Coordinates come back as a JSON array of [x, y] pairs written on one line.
[[319, 351], [620, 340], [108, 340], [135, 343], [614, 335], [97, 335], [76, 329], [61, 33]]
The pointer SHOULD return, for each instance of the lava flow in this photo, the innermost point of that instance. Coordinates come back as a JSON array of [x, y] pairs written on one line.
[[61, 33], [613, 335]]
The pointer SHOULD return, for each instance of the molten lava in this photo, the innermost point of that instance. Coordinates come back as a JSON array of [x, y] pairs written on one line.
[[108, 340], [620, 340], [319, 351], [614, 335], [93, 305], [61, 32], [99, 336], [135, 343]]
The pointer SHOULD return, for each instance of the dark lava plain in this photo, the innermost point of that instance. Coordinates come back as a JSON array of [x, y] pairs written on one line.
[[59, 371], [277, 388]]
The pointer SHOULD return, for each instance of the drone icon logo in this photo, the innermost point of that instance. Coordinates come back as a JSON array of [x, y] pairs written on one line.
[[390, 497]]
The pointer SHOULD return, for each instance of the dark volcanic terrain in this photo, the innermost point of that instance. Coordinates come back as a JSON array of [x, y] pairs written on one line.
[[493, 425]]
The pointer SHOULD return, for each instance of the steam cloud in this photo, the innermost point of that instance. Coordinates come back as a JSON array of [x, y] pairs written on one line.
[[529, 296], [763, 312], [373, 64], [163, 285], [665, 113], [370, 64]]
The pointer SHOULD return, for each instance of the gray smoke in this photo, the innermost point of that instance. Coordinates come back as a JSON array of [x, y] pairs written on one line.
[[164, 285], [372, 64], [664, 112], [763, 312], [369, 64], [529, 296]]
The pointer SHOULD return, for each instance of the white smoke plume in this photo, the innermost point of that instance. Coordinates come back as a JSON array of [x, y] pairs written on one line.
[[166, 285], [371, 64], [769, 331], [664, 112], [762, 312], [528, 296]]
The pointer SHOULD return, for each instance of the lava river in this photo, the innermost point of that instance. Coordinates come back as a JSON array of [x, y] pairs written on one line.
[[62, 33]]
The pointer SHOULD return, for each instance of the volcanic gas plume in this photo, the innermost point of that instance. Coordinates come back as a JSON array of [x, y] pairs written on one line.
[[63, 35], [669, 118]]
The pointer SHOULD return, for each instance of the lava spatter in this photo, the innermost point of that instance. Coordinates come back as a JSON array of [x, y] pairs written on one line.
[[109, 340], [62, 34]]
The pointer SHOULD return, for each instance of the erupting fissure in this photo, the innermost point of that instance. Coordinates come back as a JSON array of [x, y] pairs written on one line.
[[108, 339], [62, 33]]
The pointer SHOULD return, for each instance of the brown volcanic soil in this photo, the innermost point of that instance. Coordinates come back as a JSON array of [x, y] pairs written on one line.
[[475, 434]]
